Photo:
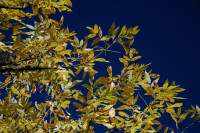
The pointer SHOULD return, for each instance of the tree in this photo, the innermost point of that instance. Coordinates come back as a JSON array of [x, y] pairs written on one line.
[[45, 58]]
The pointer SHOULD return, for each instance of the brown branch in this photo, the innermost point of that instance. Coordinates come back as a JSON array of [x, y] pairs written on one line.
[[26, 68], [1, 6], [89, 126], [115, 130], [91, 58], [26, 59]]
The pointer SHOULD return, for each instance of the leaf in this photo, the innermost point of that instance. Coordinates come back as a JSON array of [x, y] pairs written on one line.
[[136, 58], [89, 94], [198, 109], [166, 129], [109, 126], [15, 91], [78, 105], [91, 36], [28, 105], [76, 40], [160, 126], [123, 114], [123, 107], [115, 32], [109, 69], [125, 62], [123, 31], [147, 77], [112, 112], [30, 26], [96, 29], [40, 17], [101, 60], [35, 9], [8, 79], [165, 84], [131, 52], [197, 117], [110, 31], [65, 104], [95, 41], [59, 48]]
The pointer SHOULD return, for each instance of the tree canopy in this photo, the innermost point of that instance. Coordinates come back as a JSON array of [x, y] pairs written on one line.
[[43, 57]]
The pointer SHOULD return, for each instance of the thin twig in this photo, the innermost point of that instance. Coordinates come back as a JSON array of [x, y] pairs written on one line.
[[143, 99], [89, 126], [188, 127]]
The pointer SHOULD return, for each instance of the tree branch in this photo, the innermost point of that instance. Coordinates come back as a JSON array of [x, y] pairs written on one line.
[[115, 130], [1, 6], [26, 68]]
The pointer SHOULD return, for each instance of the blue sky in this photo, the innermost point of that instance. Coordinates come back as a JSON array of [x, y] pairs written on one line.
[[169, 36]]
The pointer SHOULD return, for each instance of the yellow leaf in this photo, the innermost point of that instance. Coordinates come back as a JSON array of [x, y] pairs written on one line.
[[35, 9], [91, 36], [112, 112], [59, 48], [125, 57], [119, 118], [110, 31], [123, 107], [166, 84], [177, 105], [125, 62], [166, 129], [109, 69], [95, 41], [159, 128], [131, 53], [123, 114], [40, 17], [8, 79], [115, 32], [101, 60], [90, 28], [123, 31], [136, 58], [147, 77], [96, 29], [68, 2], [65, 104], [78, 105], [109, 126], [15, 91], [68, 52], [89, 94], [171, 87]]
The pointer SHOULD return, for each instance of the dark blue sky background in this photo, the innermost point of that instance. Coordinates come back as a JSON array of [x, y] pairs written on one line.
[[169, 36]]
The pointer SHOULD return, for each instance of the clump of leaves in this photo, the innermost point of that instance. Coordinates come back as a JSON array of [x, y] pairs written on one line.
[[47, 59]]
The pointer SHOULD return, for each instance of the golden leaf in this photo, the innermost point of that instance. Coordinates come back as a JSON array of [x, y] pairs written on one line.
[[125, 62], [95, 41], [136, 58], [112, 112], [123, 114], [8, 79]]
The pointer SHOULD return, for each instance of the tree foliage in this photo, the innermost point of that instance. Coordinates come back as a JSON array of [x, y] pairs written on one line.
[[43, 57]]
